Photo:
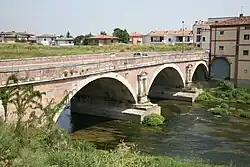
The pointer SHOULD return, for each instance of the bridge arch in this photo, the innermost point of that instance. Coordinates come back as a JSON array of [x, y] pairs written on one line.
[[216, 68], [109, 85], [167, 76], [200, 71]]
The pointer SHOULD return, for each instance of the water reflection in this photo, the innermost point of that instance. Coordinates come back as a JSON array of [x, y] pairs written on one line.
[[189, 133]]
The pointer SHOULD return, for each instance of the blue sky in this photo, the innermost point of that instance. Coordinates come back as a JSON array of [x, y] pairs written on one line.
[[84, 16]]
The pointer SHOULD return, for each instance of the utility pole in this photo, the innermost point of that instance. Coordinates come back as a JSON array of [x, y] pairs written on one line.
[[182, 47]]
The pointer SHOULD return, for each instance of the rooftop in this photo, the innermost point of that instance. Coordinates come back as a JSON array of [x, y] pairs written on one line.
[[64, 39], [241, 20], [171, 32], [45, 36], [103, 37], [136, 34]]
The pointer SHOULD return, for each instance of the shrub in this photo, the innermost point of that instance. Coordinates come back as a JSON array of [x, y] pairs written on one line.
[[224, 105], [153, 120], [244, 114], [226, 85], [219, 111]]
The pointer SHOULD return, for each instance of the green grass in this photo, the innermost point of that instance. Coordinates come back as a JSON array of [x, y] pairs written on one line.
[[226, 100], [13, 51], [40, 147]]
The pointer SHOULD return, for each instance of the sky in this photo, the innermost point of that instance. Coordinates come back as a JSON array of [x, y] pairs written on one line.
[[84, 16]]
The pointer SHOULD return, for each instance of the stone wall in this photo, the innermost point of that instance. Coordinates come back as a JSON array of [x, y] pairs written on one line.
[[59, 71]]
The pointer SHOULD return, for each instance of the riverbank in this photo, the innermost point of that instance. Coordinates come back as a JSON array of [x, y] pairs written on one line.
[[225, 99], [53, 147], [14, 51]]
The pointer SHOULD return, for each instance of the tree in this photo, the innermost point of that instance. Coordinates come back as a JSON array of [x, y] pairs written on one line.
[[24, 98], [68, 35], [121, 34], [83, 39], [103, 33], [7, 93]]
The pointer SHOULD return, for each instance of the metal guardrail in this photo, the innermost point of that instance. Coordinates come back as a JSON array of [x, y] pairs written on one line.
[[104, 66]]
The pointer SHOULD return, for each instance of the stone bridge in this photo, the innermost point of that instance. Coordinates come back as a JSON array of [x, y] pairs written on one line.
[[119, 88]]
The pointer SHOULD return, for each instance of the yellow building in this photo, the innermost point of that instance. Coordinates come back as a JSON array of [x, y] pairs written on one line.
[[230, 50], [101, 40]]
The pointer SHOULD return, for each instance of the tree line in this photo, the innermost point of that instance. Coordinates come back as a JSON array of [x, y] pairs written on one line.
[[123, 36]]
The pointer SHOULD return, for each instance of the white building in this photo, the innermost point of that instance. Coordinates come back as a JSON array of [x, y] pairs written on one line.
[[64, 41], [46, 39], [201, 31], [169, 37]]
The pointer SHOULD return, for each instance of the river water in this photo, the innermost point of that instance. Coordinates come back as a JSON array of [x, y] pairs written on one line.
[[190, 133]]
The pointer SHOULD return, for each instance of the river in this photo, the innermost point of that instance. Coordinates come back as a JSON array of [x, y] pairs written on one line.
[[190, 133]]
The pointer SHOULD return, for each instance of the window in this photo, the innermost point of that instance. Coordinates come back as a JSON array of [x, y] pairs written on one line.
[[247, 28], [198, 30], [203, 39], [169, 39], [198, 39], [246, 37], [44, 39], [221, 32], [221, 47], [245, 52], [111, 41]]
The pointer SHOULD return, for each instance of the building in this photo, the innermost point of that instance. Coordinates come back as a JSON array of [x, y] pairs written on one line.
[[103, 40], [45, 39], [12, 37], [230, 50], [201, 31], [135, 38], [64, 41], [169, 37]]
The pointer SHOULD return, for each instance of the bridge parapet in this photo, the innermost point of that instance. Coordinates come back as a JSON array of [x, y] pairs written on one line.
[[42, 73]]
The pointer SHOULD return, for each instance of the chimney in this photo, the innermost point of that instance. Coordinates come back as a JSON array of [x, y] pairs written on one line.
[[241, 14]]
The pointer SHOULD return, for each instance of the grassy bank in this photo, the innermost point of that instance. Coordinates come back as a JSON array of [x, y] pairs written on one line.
[[40, 147], [36, 142], [227, 100], [12, 51]]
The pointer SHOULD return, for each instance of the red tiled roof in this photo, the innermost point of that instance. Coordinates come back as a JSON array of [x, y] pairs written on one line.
[[172, 32], [135, 34], [45, 36], [103, 37], [242, 20]]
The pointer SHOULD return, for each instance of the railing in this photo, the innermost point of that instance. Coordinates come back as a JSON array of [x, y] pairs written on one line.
[[40, 73]]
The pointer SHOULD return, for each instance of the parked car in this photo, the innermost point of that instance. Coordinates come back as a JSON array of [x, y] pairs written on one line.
[[140, 54]]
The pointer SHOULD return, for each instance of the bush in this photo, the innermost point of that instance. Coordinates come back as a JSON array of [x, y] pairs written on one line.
[[224, 105], [219, 111], [153, 120]]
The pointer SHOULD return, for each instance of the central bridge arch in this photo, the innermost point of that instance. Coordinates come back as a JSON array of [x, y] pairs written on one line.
[[166, 77], [101, 92]]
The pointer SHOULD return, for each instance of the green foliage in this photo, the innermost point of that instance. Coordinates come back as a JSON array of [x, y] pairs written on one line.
[[225, 92], [224, 95], [153, 120], [82, 39], [46, 146], [224, 105], [244, 114], [123, 35], [103, 33], [219, 111]]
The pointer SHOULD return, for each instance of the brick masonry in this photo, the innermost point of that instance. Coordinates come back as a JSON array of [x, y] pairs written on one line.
[[55, 83]]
